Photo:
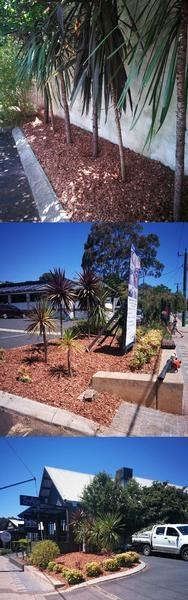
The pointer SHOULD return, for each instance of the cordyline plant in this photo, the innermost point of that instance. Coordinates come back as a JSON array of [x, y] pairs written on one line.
[[88, 292], [161, 55], [69, 342], [101, 533], [42, 321], [101, 55], [61, 292]]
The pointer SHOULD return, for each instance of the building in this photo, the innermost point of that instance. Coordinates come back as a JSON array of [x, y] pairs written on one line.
[[49, 515], [25, 294], [15, 526]]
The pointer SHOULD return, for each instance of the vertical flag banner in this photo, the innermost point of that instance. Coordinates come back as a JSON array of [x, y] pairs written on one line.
[[132, 301]]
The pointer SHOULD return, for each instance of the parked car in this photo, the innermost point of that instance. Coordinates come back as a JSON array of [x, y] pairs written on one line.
[[172, 539], [10, 311]]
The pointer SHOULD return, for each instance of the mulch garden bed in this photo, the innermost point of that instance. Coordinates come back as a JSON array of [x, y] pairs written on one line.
[[92, 190], [79, 560], [51, 385]]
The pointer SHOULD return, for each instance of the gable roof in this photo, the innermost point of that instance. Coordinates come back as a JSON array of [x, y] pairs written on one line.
[[69, 484]]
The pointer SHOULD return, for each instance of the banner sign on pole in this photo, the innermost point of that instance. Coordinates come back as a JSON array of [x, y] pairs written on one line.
[[132, 302]]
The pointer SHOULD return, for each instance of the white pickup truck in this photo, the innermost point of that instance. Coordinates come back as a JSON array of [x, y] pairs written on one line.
[[172, 539]]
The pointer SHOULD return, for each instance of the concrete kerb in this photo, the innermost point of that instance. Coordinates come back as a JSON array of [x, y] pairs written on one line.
[[57, 584], [59, 417], [47, 203]]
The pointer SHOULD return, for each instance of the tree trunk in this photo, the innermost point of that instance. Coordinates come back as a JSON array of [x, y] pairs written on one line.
[[45, 345], [88, 321], [119, 134], [66, 111], [61, 319], [69, 363], [95, 138], [181, 112], [51, 110], [46, 107]]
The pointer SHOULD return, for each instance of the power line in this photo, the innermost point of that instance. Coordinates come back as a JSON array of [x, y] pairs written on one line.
[[5, 487]]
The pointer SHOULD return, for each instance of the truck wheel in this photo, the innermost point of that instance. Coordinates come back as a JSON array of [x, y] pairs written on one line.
[[184, 553], [146, 550]]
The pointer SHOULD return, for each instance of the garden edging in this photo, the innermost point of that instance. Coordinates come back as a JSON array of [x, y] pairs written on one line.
[[47, 203], [73, 423], [92, 581]]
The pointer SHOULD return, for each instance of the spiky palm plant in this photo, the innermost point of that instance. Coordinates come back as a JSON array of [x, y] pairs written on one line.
[[43, 57], [61, 292], [69, 342], [161, 55], [105, 532], [42, 321], [100, 62], [88, 292]]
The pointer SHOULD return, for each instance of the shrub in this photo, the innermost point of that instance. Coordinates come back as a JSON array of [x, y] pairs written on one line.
[[93, 569], [147, 346], [126, 559], [23, 375], [51, 565], [57, 568], [73, 576], [2, 353], [43, 553], [111, 564]]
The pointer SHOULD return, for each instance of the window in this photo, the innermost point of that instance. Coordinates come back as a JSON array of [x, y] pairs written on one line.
[[18, 298], [34, 297], [3, 299], [160, 530], [171, 531]]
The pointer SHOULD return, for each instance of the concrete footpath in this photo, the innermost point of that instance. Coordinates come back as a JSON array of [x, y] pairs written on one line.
[[16, 199]]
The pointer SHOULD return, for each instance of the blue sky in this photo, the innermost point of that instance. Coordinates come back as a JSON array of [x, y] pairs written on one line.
[[155, 458], [37, 247]]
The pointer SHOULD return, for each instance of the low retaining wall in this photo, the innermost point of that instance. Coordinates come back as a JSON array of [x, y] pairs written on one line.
[[145, 389]]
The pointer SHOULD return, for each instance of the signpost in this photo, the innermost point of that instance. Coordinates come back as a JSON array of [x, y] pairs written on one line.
[[132, 301], [5, 537]]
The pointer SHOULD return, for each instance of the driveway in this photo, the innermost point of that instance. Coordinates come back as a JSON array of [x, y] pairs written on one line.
[[12, 333], [16, 200], [163, 578]]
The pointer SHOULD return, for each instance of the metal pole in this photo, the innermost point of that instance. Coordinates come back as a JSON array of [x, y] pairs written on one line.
[[184, 286]]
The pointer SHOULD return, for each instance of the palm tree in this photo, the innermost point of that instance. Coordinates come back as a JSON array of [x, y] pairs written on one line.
[[88, 292], [44, 56], [106, 532], [100, 62], [61, 292], [162, 55], [41, 318], [69, 342]]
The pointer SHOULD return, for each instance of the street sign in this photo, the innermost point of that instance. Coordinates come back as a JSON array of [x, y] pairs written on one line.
[[5, 536], [29, 501]]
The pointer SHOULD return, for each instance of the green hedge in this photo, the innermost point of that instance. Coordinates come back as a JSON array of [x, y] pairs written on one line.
[[43, 553]]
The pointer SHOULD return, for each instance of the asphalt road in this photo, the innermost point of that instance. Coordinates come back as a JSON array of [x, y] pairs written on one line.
[[164, 578], [12, 333]]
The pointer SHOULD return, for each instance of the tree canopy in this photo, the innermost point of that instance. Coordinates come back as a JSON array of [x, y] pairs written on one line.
[[107, 250], [138, 506]]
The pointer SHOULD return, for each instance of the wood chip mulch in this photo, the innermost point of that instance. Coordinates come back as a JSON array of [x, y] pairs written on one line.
[[79, 560], [51, 385], [92, 190]]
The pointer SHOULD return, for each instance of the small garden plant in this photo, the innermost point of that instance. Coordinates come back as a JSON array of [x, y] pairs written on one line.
[[148, 345], [23, 375]]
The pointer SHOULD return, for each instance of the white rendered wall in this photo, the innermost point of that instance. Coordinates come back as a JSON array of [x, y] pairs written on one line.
[[162, 147]]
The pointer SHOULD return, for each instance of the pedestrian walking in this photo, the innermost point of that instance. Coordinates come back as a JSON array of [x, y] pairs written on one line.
[[174, 326]]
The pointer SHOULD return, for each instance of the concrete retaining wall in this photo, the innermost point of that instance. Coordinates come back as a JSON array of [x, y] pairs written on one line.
[[145, 389]]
